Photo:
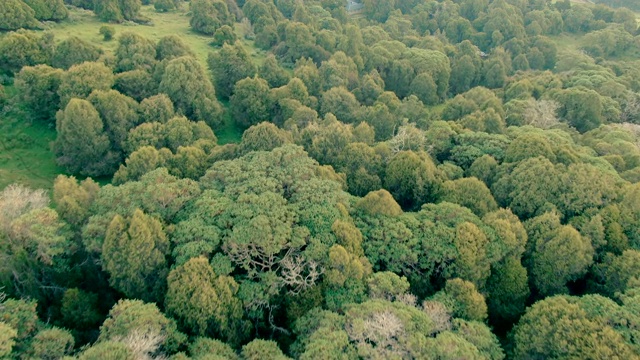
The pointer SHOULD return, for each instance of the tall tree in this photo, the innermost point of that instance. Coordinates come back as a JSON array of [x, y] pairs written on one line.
[[185, 82], [82, 146], [133, 253], [209, 15], [228, 66]]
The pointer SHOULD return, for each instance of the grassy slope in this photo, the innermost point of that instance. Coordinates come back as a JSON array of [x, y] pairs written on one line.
[[25, 155]]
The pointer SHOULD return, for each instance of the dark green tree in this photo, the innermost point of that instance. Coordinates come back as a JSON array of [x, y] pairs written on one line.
[[38, 89], [135, 52], [228, 66], [74, 51], [81, 80], [209, 15], [250, 102], [185, 82], [82, 145]]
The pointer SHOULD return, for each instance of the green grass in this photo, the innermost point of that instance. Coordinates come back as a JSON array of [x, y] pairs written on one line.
[[231, 133], [25, 155]]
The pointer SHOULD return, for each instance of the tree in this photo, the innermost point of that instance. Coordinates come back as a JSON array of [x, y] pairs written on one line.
[[209, 15], [74, 51], [107, 32], [556, 254], [470, 193], [263, 137], [341, 103], [119, 114], [228, 66], [52, 343], [48, 9], [108, 11], [581, 108], [224, 35], [15, 14], [82, 146], [250, 102], [7, 339], [188, 87], [133, 253], [463, 300], [378, 10], [135, 52], [79, 309], [555, 328], [24, 48], [164, 5], [73, 199], [128, 317], [107, 350], [271, 71], [262, 349], [157, 108], [81, 80], [38, 89], [411, 178], [425, 89], [508, 291], [205, 302], [172, 46], [137, 84]]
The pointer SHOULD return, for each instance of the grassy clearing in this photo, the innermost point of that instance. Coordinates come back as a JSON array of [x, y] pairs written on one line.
[[25, 155]]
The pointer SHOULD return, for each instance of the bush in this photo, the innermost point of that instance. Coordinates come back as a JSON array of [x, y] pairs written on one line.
[[164, 5], [107, 32]]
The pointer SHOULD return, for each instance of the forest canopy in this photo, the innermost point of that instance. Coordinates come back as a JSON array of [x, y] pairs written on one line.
[[278, 179]]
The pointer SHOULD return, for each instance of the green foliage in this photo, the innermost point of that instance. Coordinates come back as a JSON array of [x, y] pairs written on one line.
[[263, 137], [7, 336], [262, 349], [107, 350], [74, 51], [38, 89], [135, 52], [411, 178], [205, 302], [556, 254], [82, 145], [207, 16], [24, 48], [133, 253], [48, 9], [119, 114], [81, 80], [52, 344], [107, 32], [116, 11], [250, 102], [80, 309], [171, 47], [470, 193], [134, 317], [15, 14], [187, 86], [224, 35], [228, 66], [554, 327]]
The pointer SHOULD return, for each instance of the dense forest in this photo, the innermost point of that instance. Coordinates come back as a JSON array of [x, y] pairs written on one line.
[[415, 179]]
